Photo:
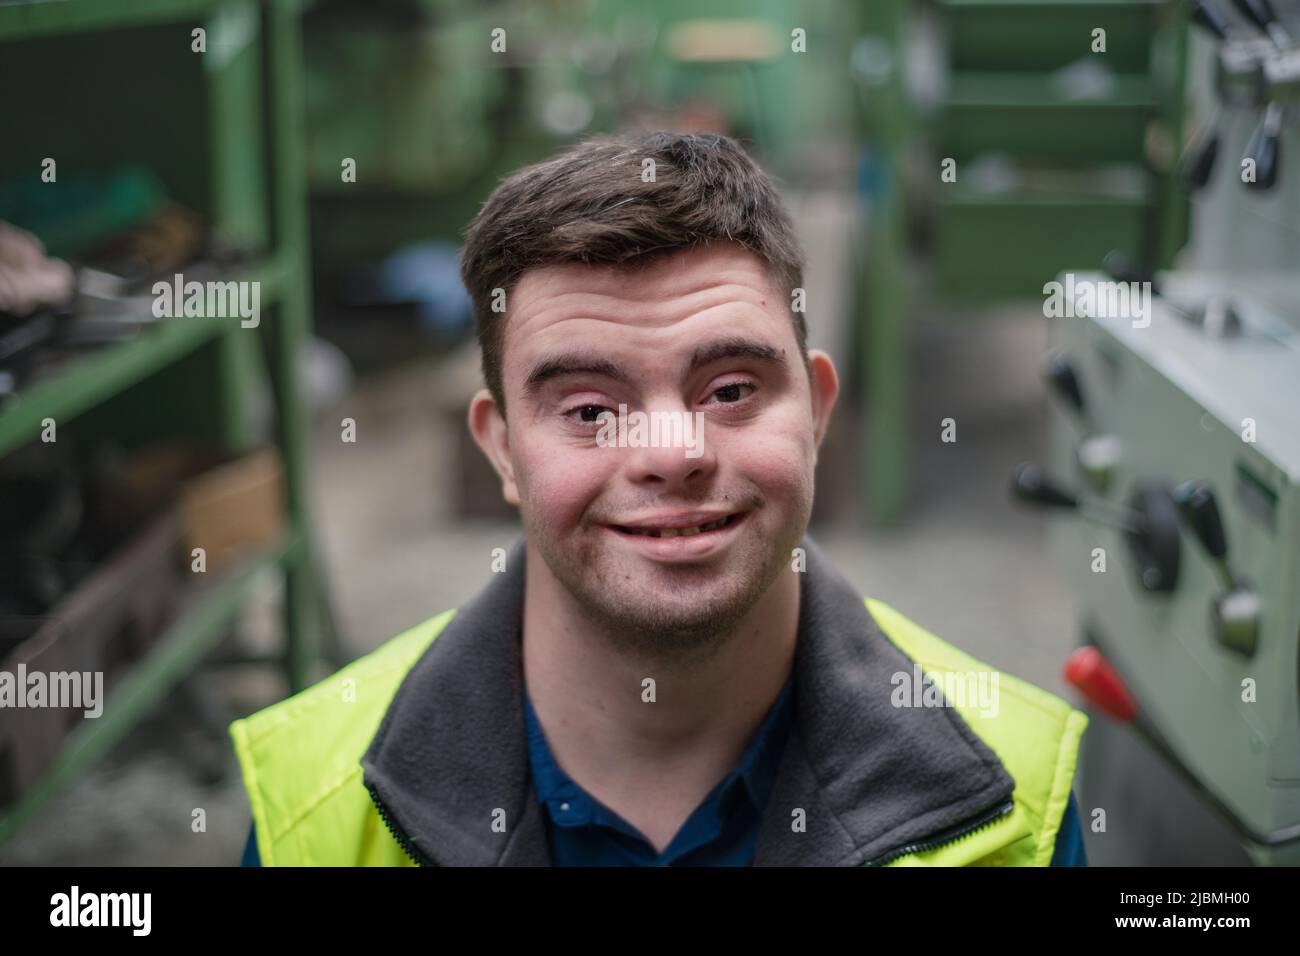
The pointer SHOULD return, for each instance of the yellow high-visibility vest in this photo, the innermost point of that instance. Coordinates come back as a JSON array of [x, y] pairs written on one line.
[[301, 759]]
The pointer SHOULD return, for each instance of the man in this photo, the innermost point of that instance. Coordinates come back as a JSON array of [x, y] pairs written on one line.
[[665, 670]]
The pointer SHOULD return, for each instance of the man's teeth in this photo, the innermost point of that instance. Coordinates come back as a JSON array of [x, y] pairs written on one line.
[[682, 532]]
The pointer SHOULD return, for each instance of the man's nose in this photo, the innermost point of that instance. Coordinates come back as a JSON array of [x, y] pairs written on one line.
[[673, 447]]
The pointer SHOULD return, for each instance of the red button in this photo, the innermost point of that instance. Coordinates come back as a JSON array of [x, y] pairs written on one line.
[[1089, 671]]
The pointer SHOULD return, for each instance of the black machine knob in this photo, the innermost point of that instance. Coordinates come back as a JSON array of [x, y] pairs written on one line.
[[1061, 377], [1149, 523], [1197, 504], [1120, 268], [1154, 541]]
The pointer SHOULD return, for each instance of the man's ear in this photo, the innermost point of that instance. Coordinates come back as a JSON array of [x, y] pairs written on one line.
[[825, 389], [488, 427]]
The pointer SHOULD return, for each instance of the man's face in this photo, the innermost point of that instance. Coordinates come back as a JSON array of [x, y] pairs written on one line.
[[700, 332]]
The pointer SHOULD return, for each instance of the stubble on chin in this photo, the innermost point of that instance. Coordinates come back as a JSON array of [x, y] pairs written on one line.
[[659, 613]]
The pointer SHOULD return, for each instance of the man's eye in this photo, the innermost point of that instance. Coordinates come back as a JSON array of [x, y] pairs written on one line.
[[730, 394], [586, 414]]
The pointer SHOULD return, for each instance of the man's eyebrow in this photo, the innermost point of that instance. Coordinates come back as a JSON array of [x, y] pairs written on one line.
[[570, 363], [577, 363], [735, 348]]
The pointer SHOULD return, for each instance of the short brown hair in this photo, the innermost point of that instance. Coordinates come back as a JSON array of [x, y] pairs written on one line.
[[591, 205]]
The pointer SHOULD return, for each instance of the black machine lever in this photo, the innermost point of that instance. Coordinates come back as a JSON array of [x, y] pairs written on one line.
[[1061, 377], [1030, 485], [1197, 165], [1262, 15], [1217, 315], [1149, 523], [1235, 612], [1264, 147], [1197, 504], [1097, 455], [1210, 18]]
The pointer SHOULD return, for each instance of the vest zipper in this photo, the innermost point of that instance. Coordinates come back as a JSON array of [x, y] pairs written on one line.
[[418, 857], [944, 837]]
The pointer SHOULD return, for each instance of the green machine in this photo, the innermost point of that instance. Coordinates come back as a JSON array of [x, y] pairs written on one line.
[[1177, 443]]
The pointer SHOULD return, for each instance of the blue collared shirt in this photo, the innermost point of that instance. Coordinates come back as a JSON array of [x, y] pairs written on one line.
[[723, 830]]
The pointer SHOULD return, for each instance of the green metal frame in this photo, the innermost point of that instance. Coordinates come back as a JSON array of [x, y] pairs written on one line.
[[120, 374], [882, 290]]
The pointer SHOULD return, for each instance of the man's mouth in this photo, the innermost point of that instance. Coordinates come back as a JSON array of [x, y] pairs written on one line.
[[672, 528]]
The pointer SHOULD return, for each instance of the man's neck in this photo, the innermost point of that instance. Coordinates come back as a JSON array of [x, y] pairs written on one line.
[[651, 762]]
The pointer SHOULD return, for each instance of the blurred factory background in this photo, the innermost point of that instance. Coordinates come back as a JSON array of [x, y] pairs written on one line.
[[215, 512]]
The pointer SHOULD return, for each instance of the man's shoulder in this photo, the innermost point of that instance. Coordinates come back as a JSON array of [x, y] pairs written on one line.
[[364, 686], [303, 754], [1034, 733], [938, 656]]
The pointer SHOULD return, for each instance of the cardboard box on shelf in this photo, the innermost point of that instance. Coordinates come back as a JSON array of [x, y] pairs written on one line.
[[234, 508]]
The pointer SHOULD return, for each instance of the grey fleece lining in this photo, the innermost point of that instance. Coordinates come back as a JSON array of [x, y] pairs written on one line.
[[451, 751]]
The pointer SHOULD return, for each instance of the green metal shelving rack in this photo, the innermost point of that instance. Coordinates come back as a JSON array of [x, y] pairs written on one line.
[[993, 248], [248, 147]]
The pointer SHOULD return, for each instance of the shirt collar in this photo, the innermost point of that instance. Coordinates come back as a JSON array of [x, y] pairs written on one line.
[[758, 766], [569, 805]]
